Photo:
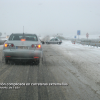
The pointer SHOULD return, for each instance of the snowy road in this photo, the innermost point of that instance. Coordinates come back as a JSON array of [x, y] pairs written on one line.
[[74, 64]]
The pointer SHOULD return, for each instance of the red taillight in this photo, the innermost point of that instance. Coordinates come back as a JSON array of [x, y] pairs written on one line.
[[32, 45], [6, 45], [39, 46], [23, 40], [8, 56], [36, 57], [12, 45]]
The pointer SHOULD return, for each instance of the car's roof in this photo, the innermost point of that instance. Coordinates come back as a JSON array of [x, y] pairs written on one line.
[[55, 38], [24, 33]]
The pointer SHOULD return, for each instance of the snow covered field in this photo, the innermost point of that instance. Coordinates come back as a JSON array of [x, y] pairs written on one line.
[[1, 46], [86, 60]]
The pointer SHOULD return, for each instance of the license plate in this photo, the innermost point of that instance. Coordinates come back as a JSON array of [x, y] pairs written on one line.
[[25, 47], [21, 47]]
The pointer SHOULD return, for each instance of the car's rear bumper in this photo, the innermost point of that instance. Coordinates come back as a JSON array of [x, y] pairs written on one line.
[[27, 54]]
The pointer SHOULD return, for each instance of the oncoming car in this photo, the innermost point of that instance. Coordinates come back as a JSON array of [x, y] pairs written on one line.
[[21, 46], [54, 41]]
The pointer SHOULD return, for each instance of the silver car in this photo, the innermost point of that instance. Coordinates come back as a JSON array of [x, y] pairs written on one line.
[[54, 41], [23, 47]]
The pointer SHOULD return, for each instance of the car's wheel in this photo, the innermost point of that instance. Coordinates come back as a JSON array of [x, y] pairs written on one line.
[[6, 61], [3, 59], [59, 43], [37, 62]]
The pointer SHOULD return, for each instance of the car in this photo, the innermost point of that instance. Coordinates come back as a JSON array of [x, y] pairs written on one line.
[[23, 46], [54, 41]]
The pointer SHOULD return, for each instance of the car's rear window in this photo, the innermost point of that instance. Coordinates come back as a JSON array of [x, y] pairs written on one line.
[[27, 37]]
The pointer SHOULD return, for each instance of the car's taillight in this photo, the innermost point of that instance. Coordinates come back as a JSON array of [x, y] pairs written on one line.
[[32, 45], [23, 40], [38, 46], [36, 57], [8, 56], [6, 45], [12, 45]]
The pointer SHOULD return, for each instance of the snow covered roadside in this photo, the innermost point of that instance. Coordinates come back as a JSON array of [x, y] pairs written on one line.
[[1, 47], [86, 62]]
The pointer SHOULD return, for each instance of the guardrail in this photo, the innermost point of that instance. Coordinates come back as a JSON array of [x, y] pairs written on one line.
[[92, 42]]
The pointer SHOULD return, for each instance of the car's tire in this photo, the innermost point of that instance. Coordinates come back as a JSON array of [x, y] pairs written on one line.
[[6, 61], [59, 43], [37, 62], [3, 60]]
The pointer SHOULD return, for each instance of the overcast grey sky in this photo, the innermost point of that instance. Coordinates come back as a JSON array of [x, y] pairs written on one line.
[[50, 16]]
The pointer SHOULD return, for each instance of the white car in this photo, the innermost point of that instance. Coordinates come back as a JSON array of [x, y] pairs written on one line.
[[23, 47], [54, 41]]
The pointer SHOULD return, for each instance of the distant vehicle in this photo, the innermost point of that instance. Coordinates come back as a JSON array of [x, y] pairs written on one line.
[[7, 36], [23, 47], [2, 40], [54, 41]]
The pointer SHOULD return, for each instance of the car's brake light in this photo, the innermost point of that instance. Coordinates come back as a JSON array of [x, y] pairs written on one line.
[[12, 45], [38, 46], [23, 40], [32, 45], [36, 57], [8, 56], [6, 45]]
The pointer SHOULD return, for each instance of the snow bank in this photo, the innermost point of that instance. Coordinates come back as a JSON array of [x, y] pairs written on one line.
[[86, 60]]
